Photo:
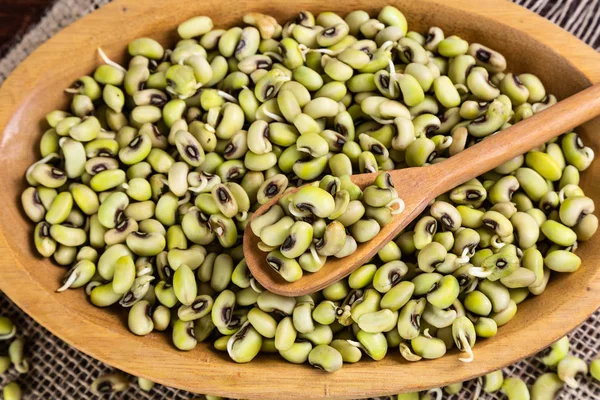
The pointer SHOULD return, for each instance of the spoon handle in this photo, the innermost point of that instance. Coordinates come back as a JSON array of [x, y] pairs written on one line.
[[519, 138]]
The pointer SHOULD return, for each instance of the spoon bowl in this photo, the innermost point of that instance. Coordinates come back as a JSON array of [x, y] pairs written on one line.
[[410, 188]]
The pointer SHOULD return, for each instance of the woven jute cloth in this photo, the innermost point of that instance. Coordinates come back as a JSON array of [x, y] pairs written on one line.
[[59, 371]]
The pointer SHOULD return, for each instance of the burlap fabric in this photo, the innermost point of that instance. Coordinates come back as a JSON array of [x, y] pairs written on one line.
[[58, 371]]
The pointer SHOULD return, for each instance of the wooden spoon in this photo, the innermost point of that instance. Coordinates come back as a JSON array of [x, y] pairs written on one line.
[[417, 187]]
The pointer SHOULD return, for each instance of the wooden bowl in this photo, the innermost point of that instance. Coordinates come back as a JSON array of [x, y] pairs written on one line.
[[530, 44]]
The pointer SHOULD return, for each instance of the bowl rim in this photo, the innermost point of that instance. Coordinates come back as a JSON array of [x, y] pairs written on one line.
[[235, 380]]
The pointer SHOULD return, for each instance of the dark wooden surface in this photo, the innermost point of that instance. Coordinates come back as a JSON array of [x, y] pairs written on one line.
[[16, 17]]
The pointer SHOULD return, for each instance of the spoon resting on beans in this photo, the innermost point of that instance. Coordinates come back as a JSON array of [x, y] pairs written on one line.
[[417, 187]]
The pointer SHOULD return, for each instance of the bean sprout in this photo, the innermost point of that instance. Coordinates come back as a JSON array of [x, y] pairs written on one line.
[[110, 62]]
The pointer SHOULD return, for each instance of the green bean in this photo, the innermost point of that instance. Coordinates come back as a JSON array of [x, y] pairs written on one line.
[[535, 88], [493, 381], [64, 255], [16, 354], [7, 328], [241, 275], [183, 335], [362, 276], [444, 292], [558, 233], [245, 344], [569, 367], [326, 358], [221, 271], [504, 316], [195, 26], [486, 327], [140, 288], [145, 384], [470, 217], [124, 275], [59, 209], [104, 296], [325, 312], [140, 321], [274, 235], [145, 244], [576, 153], [519, 278], [430, 256], [425, 228], [562, 261], [518, 295], [452, 46], [68, 236], [298, 240], [497, 294], [288, 268], [464, 336], [349, 353], [322, 334], [378, 321], [397, 296], [428, 347], [487, 57], [437, 317], [558, 351], [454, 388], [4, 364], [478, 303], [285, 334], [500, 264], [127, 222], [587, 227], [410, 317], [373, 344], [203, 327], [546, 386], [12, 391], [574, 209], [332, 240], [298, 353], [368, 302], [269, 302], [515, 388]]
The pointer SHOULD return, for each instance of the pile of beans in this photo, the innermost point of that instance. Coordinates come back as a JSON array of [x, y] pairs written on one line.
[[319, 216], [146, 184], [563, 369], [14, 359]]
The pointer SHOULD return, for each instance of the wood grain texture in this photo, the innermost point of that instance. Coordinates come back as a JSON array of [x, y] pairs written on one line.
[[417, 187], [530, 44]]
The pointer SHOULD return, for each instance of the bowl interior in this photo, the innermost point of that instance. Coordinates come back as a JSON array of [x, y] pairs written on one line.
[[37, 88]]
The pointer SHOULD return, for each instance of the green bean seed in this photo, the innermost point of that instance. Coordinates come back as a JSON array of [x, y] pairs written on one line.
[[546, 386], [140, 318], [558, 351], [12, 391], [569, 367], [515, 388], [7, 328], [562, 261], [326, 358]]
